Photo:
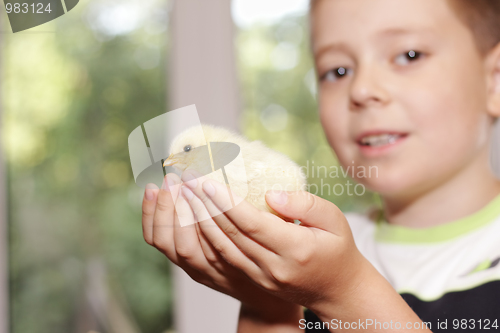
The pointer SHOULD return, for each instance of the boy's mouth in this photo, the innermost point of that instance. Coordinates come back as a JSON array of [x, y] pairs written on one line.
[[379, 139], [378, 143]]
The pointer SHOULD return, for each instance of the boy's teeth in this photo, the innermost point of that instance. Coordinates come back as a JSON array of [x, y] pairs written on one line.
[[379, 140]]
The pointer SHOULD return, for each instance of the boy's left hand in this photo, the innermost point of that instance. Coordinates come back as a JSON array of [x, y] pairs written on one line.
[[314, 264]]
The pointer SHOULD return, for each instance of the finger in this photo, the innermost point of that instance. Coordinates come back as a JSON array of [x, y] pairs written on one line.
[[310, 209], [218, 242], [217, 262], [211, 229], [200, 211], [193, 180], [215, 243], [212, 256], [148, 211], [187, 244], [185, 249], [163, 219], [246, 226]]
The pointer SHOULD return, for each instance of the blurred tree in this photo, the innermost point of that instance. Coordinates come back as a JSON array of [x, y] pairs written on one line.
[[72, 96]]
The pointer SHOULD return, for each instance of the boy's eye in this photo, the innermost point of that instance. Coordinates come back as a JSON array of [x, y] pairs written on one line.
[[405, 58], [334, 74]]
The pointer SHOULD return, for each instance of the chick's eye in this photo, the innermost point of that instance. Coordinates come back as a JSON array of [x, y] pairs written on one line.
[[187, 148], [334, 74], [405, 58]]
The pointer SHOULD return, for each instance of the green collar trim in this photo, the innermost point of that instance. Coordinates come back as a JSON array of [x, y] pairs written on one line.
[[388, 233]]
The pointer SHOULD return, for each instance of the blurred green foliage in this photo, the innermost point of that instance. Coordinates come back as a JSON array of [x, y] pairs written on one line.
[[72, 94]]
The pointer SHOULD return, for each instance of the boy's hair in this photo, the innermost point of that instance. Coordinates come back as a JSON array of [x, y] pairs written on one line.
[[481, 16]]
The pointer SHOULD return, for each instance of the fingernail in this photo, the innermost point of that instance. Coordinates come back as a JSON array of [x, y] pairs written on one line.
[[279, 197], [187, 193], [190, 180], [165, 185], [149, 194], [170, 181], [209, 189]]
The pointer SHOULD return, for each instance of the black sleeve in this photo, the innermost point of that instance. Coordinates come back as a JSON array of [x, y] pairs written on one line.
[[313, 321], [470, 310]]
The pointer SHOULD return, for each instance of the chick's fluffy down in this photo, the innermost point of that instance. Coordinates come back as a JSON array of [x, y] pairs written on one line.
[[264, 169]]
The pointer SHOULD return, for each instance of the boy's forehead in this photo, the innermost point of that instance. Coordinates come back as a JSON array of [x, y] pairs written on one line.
[[384, 33], [342, 20]]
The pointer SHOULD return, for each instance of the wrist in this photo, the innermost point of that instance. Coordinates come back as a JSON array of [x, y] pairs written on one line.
[[357, 277], [278, 312], [282, 320], [370, 296]]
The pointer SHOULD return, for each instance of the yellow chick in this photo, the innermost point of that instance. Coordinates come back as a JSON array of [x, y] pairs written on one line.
[[264, 169]]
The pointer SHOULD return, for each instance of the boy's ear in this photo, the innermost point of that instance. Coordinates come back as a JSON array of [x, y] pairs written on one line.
[[493, 81]]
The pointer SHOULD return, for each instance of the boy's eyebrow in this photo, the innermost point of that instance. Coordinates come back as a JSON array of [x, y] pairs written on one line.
[[402, 31], [390, 32]]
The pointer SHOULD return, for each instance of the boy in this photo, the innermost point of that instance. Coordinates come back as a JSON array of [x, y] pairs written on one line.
[[413, 88]]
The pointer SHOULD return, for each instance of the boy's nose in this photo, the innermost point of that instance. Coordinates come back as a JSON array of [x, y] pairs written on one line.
[[367, 88]]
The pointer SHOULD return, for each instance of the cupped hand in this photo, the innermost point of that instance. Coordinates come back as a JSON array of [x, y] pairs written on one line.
[[312, 264], [188, 248]]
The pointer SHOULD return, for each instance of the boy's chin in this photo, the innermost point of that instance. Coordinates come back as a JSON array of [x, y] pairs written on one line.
[[389, 186]]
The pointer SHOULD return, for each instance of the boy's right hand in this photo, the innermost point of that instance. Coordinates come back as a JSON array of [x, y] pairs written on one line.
[[188, 248]]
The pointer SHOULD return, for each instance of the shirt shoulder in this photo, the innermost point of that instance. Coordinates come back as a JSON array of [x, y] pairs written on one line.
[[362, 227]]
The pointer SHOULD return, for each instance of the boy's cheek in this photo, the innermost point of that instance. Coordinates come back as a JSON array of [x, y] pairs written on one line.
[[335, 123], [336, 132], [333, 117]]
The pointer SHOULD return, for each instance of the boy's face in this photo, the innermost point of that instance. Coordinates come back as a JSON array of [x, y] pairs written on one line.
[[403, 89]]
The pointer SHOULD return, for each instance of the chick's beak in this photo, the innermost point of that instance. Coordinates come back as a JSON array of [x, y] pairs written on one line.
[[170, 161]]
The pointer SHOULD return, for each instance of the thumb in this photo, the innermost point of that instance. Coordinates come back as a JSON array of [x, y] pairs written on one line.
[[309, 209]]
